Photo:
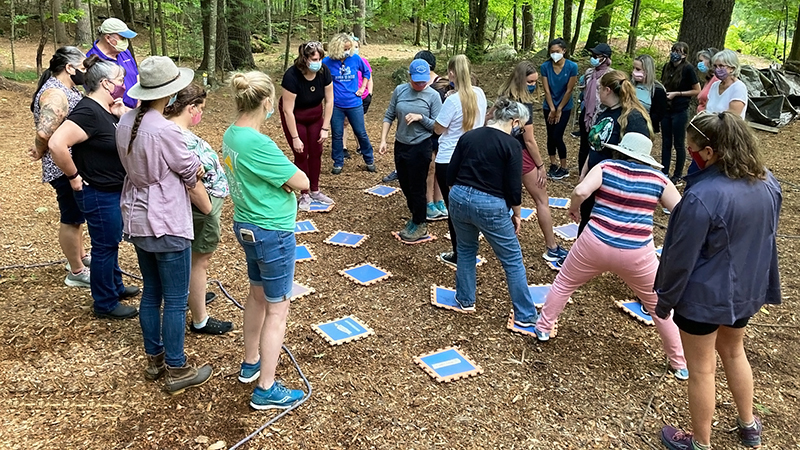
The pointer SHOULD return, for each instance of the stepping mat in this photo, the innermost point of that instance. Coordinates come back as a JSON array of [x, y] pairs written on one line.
[[636, 310], [365, 274], [382, 191], [539, 293], [479, 261], [553, 265], [447, 364], [658, 251], [303, 253], [342, 330], [529, 331], [300, 290], [345, 239], [305, 226], [558, 202], [568, 232], [318, 207], [445, 298], [429, 238], [527, 213]]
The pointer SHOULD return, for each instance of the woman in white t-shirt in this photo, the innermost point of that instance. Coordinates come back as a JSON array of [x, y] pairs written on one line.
[[729, 93], [464, 109]]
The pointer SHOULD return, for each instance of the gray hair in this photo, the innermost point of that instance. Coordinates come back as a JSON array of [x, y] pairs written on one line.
[[98, 70], [730, 59], [506, 110], [707, 53]]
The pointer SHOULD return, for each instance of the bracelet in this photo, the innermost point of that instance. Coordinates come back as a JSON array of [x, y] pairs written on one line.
[[324, 129], [539, 166], [72, 177]]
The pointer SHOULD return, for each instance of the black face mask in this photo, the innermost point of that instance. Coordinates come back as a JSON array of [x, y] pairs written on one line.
[[78, 77]]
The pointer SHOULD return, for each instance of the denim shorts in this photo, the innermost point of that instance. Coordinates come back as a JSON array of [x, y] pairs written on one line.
[[270, 259], [70, 212]]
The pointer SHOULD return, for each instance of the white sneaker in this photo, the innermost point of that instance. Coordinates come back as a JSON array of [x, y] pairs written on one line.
[[80, 279], [86, 260], [321, 198], [304, 204]]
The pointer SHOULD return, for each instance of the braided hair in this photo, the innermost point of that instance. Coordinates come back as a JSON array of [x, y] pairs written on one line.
[[144, 106]]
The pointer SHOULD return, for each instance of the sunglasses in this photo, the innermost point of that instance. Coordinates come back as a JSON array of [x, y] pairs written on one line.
[[315, 44], [691, 123]]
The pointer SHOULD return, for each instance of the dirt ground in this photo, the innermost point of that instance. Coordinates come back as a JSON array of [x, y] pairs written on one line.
[[68, 380]]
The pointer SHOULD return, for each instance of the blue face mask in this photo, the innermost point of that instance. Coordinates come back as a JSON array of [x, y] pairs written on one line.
[[701, 66], [675, 57], [594, 61], [315, 66], [172, 99], [355, 50], [532, 88]]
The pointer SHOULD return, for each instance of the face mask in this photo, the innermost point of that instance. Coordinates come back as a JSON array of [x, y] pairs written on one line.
[[675, 57], [556, 57], [355, 51], [531, 89], [452, 85], [701, 66], [346, 53], [121, 45], [314, 66], [269, 114], [721, 73], [118, 92], [701, 163], [638, 75], [172, 100], [78, 77], [196, 118], [594, 61], [516, 131]]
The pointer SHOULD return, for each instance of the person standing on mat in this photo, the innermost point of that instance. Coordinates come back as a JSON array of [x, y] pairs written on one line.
[[306, 106], [559, 77], [415, 106], [186, 112], [719, 267], [113, 44], [463, 110], [680, 81]]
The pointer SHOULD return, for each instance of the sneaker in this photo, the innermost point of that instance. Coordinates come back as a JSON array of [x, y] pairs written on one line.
[[541, 335], [129, 291], [675, 439], [346, 153], [677, 181], [448, 258], [321, 198], [442, 208], [575, 134], [371, 168], [750, 436], [210, 297], [119, 313], [391, 177], [336, 170], [80, 279], [554, 254], [666, 211], [276, 397], [560, 262], [249, 372], [432, 212], [181, 378], [413, 232], [551, 172], [212, 326], [464, 308], [681, 374], [522, 324], [304, 203], [86, 260], [560, 173]]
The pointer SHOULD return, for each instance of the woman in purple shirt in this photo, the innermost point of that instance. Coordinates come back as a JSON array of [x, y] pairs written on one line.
[[157, 218]]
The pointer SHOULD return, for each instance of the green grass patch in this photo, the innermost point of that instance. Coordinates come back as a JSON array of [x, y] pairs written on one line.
[[22, 76]]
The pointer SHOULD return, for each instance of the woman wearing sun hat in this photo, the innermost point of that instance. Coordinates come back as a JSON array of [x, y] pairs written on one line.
[[157, 217], [619, 236]]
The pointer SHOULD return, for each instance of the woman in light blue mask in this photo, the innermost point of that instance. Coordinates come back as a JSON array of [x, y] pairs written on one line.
[[706, 74], [306, 106], [559, 77]]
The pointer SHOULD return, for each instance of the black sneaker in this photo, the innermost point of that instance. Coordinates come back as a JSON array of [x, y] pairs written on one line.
[[346, 153], [130, 291], [552, 171], [213, 326], [677, 181], [371, 168], [210, 297], [119, 313], [448, 258], [391, 177], [560, 173], [575, 134]]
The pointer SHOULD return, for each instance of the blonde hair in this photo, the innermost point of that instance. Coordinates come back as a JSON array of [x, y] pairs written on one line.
[[336, 46], [516, 85], [251, 89], [732, 140], [619, 84], [459, 65]]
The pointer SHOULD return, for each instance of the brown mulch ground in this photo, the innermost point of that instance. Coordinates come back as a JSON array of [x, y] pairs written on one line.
[[68, 380]]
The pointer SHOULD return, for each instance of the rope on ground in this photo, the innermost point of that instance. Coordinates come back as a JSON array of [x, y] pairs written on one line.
[[782, 181], [640, 429], [787, 236], [32, 266]]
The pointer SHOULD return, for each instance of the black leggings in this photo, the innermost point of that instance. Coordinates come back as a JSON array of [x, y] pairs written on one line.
[[583, 150], [555, 134], [441, 178], [412, 162]]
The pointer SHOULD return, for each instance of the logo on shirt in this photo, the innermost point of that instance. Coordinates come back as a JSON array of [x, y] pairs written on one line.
[[600, 133], [229, 157]]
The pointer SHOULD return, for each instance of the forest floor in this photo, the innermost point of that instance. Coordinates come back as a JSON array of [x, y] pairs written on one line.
[[68, 380]]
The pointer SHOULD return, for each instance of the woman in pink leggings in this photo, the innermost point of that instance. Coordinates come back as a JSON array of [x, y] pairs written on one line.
[[619, 237]]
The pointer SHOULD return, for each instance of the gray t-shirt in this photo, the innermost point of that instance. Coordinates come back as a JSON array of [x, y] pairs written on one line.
[[406, 100]]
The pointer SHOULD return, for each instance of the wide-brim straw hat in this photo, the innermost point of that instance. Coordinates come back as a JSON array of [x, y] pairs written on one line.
[[638, 147], [159, 77]]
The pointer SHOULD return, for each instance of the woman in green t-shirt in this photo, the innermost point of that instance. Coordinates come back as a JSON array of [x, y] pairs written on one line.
[[261, 180]]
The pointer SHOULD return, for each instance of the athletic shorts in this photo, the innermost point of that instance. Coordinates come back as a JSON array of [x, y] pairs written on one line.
[[701, 329]]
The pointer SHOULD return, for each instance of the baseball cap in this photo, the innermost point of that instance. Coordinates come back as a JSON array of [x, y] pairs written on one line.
[[601, 49], [419, 70], [115, 26]]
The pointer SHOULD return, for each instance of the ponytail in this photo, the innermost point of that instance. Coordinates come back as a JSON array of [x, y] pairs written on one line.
[[621, 86], [732, 140], [61, 58]]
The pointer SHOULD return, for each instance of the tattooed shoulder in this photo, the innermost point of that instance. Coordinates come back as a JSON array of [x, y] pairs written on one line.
[[53, 109]]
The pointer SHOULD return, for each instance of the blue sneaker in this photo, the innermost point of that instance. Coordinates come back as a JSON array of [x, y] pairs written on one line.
[[276, 397], [554, 254], [442, 208], [681, 374], [433, 213], [541, 335], [249, 372]]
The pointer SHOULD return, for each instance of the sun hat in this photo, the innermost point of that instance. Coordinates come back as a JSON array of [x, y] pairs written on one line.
[[601, 49], [419, 70], [159, 77], [638, 147], [115, 26]]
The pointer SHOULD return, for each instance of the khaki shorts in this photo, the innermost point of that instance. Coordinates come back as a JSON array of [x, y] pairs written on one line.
[[207, 228]]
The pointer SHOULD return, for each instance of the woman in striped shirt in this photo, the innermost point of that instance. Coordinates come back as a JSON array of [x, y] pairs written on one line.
[[619, 236]]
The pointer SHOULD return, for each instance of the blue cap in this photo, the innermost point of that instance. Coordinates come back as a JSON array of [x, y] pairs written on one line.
[[419, 70]]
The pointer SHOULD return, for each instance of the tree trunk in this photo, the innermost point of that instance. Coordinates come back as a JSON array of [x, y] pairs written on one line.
[[794, 53], [417, 27], [553, 20], [221, 61], [440, 38], [288, 36], [116, 8], [91, 21], [83, 33], [514, 27], [567, 28], [42, 39], [786, 30], [702, 30], [476, 32], [527, 27], [13, 32], [268, 17], [574, 41], [212, 43], [54, 16], [633, 33], [239, 34], [163, 28], [359, 28], [61, 30], [151, 17], [127, 12], [322, 9], [598, 33]]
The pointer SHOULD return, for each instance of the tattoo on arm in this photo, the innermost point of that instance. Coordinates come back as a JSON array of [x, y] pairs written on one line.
[[53, 109]]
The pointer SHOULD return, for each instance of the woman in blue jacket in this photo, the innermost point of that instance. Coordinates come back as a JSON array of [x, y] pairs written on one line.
[[719, 267]]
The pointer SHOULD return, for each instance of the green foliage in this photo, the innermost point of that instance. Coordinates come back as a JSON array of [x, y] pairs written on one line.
[[71, 16], [24, 76], [754, 26]]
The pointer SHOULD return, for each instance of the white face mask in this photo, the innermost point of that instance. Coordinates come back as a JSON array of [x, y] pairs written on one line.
[[346, 53], [556, 57]]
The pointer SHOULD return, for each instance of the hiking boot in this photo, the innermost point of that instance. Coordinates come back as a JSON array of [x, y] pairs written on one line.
[[80, 279], [391, 177], [321, 198], [560, 173], [675, 439], [750, 436], [551, 172], [304, 203], [119, 313], [249, 372], [432, 212], [680, 374], [181, 378], [336, 170], [442, 208], [86, 260], [277, 396], [371, 168], [413, 232], [448, 258], [210, 297], [554, 254], [155, 366], [462, 306], [129, 291], [212, 326]]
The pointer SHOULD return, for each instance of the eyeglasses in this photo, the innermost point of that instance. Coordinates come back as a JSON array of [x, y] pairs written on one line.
[[691, 123]]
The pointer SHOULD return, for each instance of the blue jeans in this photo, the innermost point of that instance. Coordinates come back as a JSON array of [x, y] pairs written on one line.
[[270, 259], [104, 221], [166, 277], [473, 211], [673, 133], [356, 117]]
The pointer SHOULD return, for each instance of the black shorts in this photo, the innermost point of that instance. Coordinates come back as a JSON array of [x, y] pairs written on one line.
[[701, 329], [366, 102], [71, 214]]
